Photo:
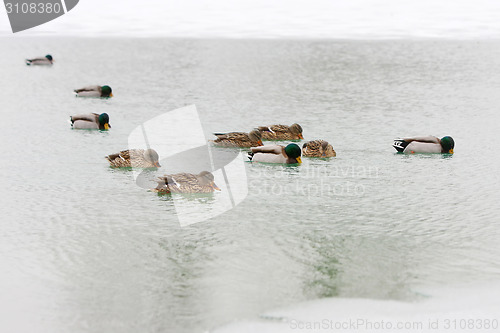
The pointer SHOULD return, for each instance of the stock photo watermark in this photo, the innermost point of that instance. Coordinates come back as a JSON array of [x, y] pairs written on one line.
[[364, 324], [191, 155], [224, 171], [26, 14], [315, 181]]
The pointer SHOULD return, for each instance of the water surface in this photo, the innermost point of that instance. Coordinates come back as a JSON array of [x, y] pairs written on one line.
[[85, 249]]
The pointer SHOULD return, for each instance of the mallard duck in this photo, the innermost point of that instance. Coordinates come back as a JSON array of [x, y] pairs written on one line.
[[276, 154], [134, 158], [94, 91], [46, 61], [281, 132], [90, 121], [318, 148], [239, 139], [187, 183], [425, 144]]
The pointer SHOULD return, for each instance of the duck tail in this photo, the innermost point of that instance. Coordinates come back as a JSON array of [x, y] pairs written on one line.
[[400, 145], [250, 155]]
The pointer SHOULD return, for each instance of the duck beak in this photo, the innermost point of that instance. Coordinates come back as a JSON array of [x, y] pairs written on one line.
[[215, 187], [299, 160], [451, 151], [260, 143], [157, 164], [111, 95], [300, 136], [106, 126]]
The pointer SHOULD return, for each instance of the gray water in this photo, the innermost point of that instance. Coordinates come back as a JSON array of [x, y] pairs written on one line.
[[83, 249]]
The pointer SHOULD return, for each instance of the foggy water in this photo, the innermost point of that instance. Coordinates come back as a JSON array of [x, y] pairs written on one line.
[[354, 19], [83, 249]]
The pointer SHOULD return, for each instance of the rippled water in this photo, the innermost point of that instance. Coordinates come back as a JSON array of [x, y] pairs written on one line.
[[85, 249]]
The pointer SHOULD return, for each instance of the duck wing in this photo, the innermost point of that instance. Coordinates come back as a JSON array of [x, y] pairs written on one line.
[[179, 182], [92, 117], [312, 148], [88, 88], [236, 136], [125, 154], [280, 128]]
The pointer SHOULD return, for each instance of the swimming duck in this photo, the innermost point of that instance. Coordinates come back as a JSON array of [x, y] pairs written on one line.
[[239, 139], [134, 158], [187, 183], [46, 61], [94, 91], [281, 132], [318, 148], [425, 144], [90, 121], [276, 154]]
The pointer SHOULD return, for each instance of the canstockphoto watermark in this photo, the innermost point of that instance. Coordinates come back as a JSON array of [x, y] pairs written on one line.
[[431, 324], [178, 138], [314, 181], [26, 14], [321, 188]]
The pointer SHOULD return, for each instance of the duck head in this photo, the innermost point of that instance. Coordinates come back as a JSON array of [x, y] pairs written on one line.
[[152, 157], [104, 121], [293, 151], [448, 144], [106, 91], [49, 57], [297, 130], [256, 136], [207, 178]]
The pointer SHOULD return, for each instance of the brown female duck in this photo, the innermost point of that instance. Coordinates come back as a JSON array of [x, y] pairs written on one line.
[[281, 132], [134, 158], [239, 139], [318, 148], [186, 183]]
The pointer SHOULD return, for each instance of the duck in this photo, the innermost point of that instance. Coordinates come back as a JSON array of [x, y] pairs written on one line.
[[44, 61], [425, 144], [134, 158], [318, 148], [239, 139], [276, 154], [94, 91], [186, 183], [281, 132], [90, 121]]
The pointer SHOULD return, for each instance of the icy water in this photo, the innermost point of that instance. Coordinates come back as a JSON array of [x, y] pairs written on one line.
[[84, 249]]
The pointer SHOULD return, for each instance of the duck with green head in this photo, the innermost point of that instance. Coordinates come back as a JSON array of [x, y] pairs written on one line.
[[45, 61], [276, 154], [94, 91], [90, 121], [425, 145]]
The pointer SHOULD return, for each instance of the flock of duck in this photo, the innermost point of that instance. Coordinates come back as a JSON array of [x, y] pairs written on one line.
[[272, 153]]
